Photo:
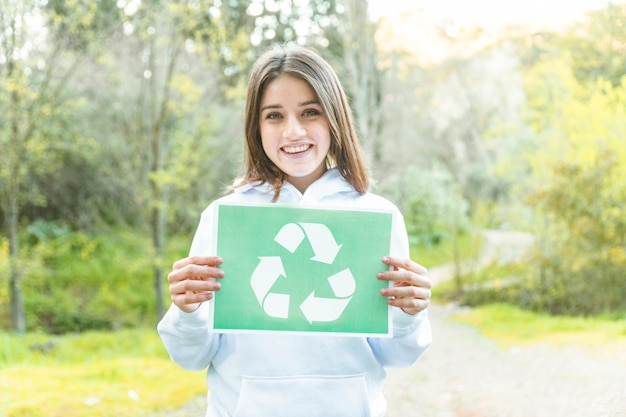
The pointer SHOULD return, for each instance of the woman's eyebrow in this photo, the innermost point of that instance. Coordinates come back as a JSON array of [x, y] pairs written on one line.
[[278, 106], [271, 106]]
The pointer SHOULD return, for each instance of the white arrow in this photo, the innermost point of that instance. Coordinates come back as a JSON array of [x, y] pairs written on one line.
[[289, 237], [323, 309], [277, 305], [322, 242], [342, 283], [267, 272]]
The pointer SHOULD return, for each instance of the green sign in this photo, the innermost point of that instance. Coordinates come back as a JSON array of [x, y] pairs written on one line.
[[301, 269]]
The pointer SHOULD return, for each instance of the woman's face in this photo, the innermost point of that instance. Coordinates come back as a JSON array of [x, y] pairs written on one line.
[[295, 132]]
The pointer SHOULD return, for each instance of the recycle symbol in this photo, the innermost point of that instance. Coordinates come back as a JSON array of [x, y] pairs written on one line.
[[270, 269]]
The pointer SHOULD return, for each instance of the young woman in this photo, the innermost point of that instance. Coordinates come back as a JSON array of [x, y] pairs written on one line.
[[301, 148]]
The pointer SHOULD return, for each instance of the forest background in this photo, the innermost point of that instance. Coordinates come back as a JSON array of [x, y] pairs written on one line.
[[120, 121]]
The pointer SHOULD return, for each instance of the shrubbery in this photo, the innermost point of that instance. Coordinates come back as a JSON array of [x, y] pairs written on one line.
[[74, 281], [433, 207]]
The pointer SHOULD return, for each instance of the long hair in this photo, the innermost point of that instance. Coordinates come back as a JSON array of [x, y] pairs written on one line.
[[345, 149]]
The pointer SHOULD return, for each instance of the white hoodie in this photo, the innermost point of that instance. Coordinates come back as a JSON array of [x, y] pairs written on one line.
[[276, 375]]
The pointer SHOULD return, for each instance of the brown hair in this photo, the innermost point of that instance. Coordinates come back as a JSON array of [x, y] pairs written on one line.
[[345, 149]]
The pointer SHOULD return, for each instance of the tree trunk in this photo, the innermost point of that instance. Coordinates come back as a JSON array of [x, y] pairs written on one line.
[[158, 239], [456, 256], [159, 193], [12, 198], [15, 275], [361, 60]]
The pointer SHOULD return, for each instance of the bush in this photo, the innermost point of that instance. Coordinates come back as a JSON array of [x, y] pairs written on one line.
[[581, 268], [433, 207], [496, 283], [560, 289], [547, 285], [579, 192], [75, 282], [63, 289]]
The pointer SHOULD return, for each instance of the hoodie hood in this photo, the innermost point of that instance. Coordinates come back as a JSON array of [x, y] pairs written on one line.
[[328, 185]]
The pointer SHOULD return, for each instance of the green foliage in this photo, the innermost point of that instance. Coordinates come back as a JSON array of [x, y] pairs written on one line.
[[77, 282], [72, 285], [433, 209], [40, 49], [45, 349], [36, 104], [117, 114], [581, 189], [77, 22], [493, 283], [598, 288], [597, 45], [467, 247], [112, 110]]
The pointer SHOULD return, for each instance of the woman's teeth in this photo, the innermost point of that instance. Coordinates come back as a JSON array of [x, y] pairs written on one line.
[[295, 149]]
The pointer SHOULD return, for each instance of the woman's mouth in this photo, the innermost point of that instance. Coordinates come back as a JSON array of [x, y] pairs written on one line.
[[291, 150]]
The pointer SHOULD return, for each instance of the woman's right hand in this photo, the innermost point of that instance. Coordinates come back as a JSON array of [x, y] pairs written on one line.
[[191, 281]]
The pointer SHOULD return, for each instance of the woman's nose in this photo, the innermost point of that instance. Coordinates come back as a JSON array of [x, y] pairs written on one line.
[[293, 129]]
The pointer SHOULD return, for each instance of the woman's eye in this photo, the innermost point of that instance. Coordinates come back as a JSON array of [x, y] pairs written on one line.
[[311, 112], [272, 116]]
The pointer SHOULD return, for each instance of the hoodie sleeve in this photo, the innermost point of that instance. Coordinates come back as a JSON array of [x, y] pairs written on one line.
[[411, 337], [186, 336], [411, 333]]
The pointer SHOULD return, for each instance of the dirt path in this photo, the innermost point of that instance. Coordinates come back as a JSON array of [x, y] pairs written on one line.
[[465, 375]]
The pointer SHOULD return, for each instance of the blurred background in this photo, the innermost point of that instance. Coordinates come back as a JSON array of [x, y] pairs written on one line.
[[490, 124]]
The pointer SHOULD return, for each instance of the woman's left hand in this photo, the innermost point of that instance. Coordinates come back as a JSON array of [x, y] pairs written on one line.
[[411, 285]]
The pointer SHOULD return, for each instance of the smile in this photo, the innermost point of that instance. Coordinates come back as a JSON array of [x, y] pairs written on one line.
[[295, 149]]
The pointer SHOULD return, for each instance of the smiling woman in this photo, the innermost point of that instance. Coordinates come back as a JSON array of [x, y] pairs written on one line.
[[301, 150], [294, 130], [324, 99]]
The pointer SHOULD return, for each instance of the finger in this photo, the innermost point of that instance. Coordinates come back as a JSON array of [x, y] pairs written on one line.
[[189, 294], [194, 286], [397, 276], [408, 305], [406, 264], [403, 277], [407, 292], [190, 302], [194, 272], [189, 299], [197, 260]]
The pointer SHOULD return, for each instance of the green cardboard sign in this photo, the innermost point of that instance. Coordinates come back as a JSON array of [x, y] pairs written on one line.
[[301, 269]]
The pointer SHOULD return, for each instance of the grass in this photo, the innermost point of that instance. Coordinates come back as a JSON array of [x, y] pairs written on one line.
[[125, 373], [509, 325], [468, 247], [495, 276]]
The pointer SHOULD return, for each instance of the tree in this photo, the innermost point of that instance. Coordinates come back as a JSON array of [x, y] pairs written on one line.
[[168, 39], [363, 75], [598, 45], [157, 42], [579, 189], [41, 45], [126, 112]]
